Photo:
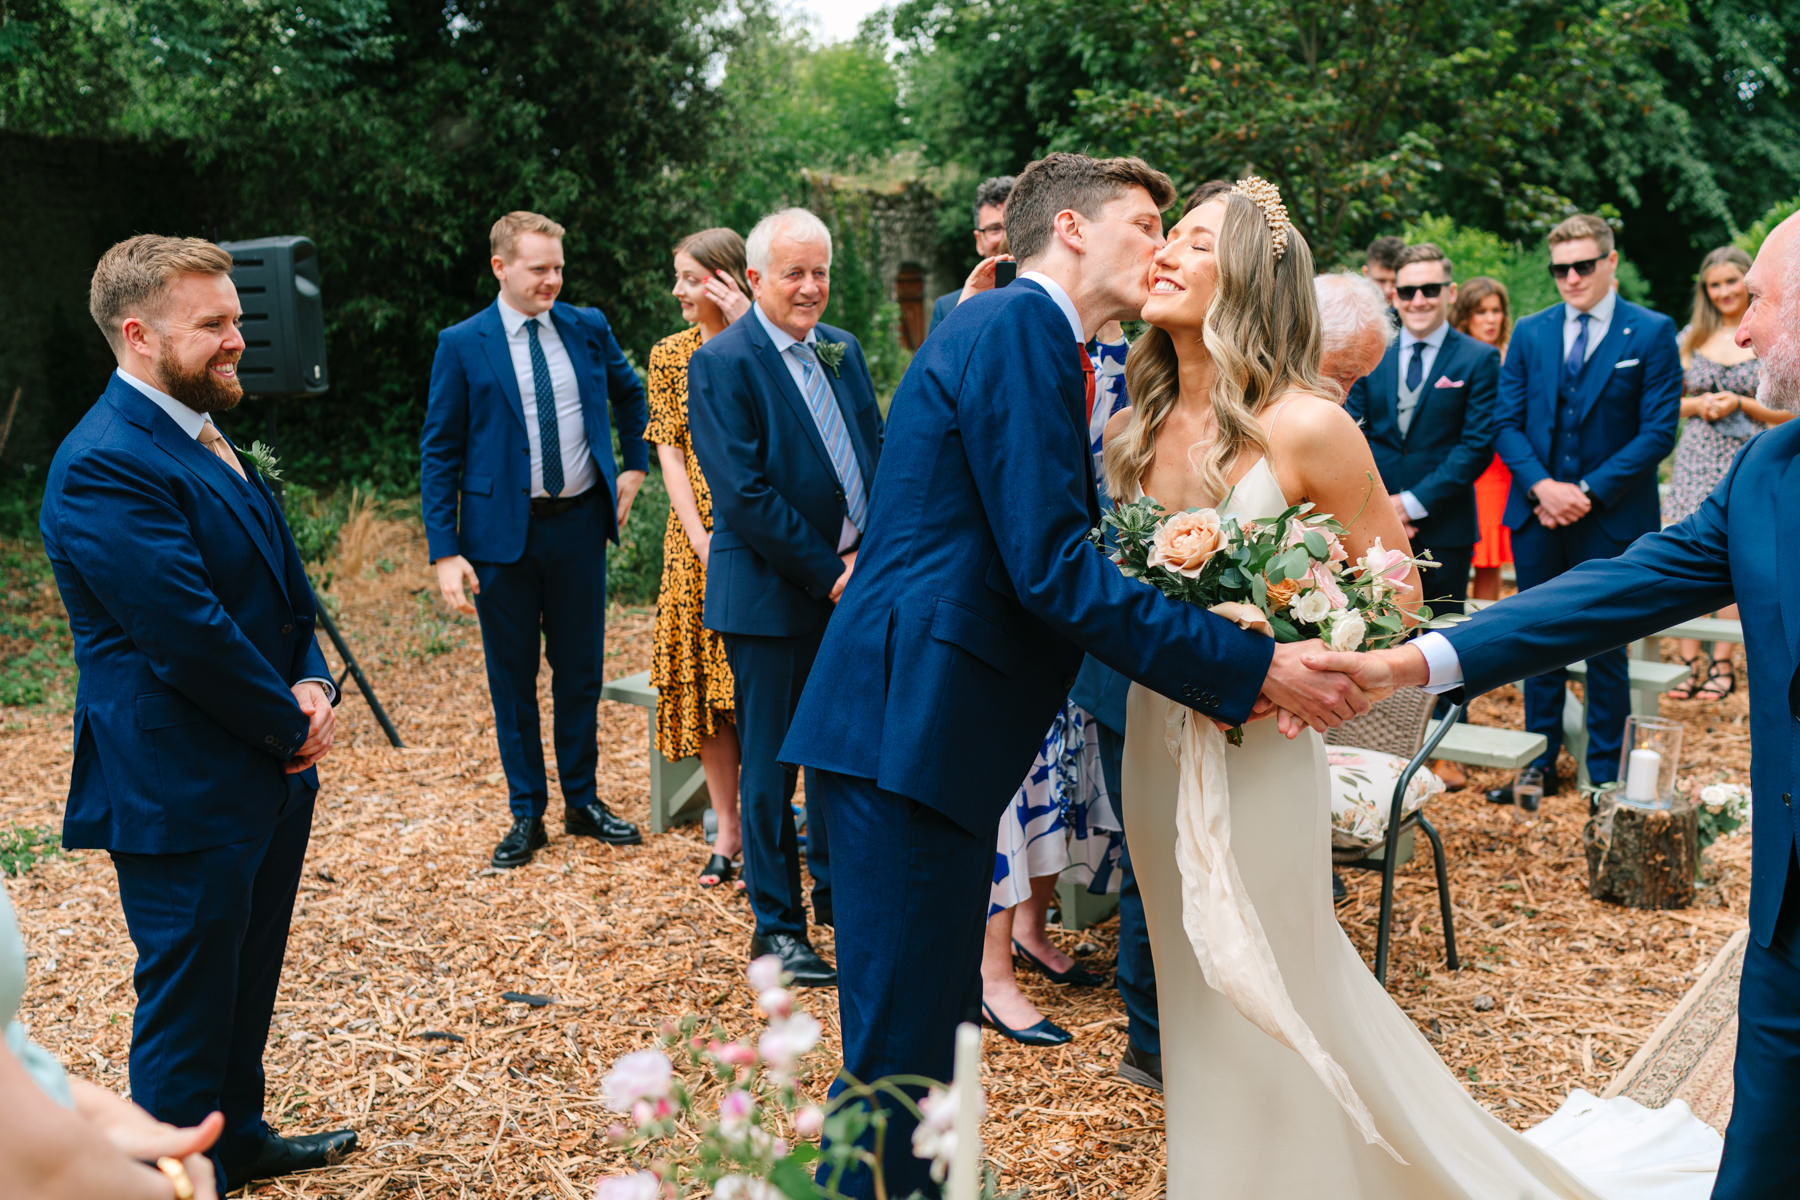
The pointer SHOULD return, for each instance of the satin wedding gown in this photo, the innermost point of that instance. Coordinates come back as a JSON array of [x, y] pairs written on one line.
[[1325, 1090]]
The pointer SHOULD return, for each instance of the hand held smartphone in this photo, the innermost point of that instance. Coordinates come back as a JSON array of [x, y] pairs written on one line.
[[1005, 271]]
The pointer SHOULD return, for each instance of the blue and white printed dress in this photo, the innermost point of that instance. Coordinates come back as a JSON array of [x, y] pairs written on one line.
[[1062, 818]]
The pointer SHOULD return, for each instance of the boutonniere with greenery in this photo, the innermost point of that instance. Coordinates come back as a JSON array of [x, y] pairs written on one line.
[[263, 455], [831, 354]]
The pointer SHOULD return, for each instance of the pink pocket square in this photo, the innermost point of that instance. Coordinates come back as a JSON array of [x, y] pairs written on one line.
[[1443, 382]]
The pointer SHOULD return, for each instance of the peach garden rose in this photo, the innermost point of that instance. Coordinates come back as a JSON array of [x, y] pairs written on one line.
[[1187, 541]]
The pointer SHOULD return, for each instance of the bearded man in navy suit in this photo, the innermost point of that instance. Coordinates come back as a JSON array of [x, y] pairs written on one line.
[[1737, 548], [520, 496], [960, 632], [787, 432], [1589, 397], [204, 702], [1427, 411]]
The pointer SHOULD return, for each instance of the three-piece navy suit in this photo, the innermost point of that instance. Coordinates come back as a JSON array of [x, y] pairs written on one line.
[[1446, 445], [1609, 425], [956, 640], [192, 621], [540, 576], [1736, 548], [779, 509]]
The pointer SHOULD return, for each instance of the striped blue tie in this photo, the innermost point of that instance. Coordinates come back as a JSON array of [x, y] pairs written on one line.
[[549, 443], [823, 406]]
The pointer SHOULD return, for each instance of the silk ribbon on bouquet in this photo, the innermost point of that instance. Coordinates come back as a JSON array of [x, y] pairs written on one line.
[[1221, 923]]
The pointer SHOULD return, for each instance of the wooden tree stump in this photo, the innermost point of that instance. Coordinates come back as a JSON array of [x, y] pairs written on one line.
[[1642, 857]]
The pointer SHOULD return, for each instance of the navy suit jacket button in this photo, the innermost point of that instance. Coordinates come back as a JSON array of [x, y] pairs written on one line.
[[287, 629]]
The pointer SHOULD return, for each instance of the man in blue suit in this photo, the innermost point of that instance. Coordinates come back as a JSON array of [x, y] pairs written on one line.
[[990, 238], [1737, 548], [1589, 397], [787, 432], [1427, 411], [974, 596], [204, 701], [520, 496]]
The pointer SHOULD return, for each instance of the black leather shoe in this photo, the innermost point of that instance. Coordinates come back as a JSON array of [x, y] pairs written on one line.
[[597, 821], [525, 838], [283, 1156], [1548, 780], [798, 958], [822, 912], [1044, 1033], [1075, 976], [1141, 1067]]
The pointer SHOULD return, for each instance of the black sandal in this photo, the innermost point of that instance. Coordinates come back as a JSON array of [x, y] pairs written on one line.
[[1687, 690], [1721, 669], [718, 870]]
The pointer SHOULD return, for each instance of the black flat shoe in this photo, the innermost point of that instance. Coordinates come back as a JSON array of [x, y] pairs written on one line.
[[1075, 976], [798, 959], [1044, 1033], [525, 838], [1141, 1067], [598, 821], [718, 870], [283, 1156]]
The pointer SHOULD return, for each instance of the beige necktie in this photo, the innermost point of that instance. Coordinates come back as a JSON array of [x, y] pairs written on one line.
[[213, 440]]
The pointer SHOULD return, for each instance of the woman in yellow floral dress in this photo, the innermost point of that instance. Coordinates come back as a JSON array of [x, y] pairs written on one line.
[[688, 667]]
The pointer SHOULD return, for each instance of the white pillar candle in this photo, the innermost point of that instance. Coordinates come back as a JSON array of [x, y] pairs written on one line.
[[1643, 771], [965, 1164]]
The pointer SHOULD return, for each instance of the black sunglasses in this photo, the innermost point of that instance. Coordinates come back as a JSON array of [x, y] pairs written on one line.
[[1584, 268], [1408, 291]]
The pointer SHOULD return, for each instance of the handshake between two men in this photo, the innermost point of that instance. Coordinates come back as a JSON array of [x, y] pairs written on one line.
[[1309, 685]]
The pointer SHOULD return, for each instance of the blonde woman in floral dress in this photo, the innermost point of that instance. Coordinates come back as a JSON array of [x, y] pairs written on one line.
[[694, 696]]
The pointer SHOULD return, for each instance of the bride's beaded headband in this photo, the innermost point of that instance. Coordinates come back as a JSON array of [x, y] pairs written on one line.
[[1267, 197]]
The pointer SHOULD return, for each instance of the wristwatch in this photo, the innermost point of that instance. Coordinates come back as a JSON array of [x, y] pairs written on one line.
[[1587, 489]]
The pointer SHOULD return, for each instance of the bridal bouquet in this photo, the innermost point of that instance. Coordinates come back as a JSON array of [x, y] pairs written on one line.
[[1289, 576]]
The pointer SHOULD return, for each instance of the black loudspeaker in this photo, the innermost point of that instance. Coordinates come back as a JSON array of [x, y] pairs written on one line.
[[277, 282]]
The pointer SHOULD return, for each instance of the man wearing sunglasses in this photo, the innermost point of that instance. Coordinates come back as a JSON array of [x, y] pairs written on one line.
[[1427, 411], [1589, 398]]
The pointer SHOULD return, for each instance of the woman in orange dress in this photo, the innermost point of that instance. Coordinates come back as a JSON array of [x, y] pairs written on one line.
[[1483, 310], [694, 694]]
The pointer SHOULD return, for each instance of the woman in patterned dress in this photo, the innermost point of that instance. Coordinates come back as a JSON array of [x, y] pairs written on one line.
[[1061, 818], [1720, 413], [693, 685], [1483, 310]]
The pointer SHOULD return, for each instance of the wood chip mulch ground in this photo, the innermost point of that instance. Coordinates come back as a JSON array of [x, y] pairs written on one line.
[[392, 1017]]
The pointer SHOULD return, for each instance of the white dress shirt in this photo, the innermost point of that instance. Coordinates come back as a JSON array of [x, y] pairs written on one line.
[[1433, 342], [1602, 314], [782, 340], [571, 432], [1444, 669], [193, 424]]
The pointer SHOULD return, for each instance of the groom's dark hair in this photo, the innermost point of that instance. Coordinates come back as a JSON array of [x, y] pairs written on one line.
[[1073, 181]]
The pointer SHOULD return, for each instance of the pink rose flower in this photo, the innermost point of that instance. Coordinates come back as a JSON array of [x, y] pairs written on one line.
[[732, 1054], [1185, 541], [735, 1110], [1321, 577], [642, 1076], [1387, 568]]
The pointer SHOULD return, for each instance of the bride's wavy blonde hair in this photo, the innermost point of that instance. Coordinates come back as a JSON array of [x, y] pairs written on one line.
[[1262, 332]]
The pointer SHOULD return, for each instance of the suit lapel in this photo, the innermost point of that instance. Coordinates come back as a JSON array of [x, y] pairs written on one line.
[[1601, 362], [1540, 403], [584, 359], [1384, 391], [499, 356], [1428, 386], [1787, 511], [776, 369]]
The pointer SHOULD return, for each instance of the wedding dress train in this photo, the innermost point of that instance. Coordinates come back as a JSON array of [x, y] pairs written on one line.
[[1291, 1075]]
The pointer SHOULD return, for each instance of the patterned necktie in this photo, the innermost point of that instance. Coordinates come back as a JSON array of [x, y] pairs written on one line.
[[1087, 371], [1578, 352], [549, 444], [823, 406], [213, 440]]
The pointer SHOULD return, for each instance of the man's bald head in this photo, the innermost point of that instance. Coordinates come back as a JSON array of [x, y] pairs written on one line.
[[1771, 325]]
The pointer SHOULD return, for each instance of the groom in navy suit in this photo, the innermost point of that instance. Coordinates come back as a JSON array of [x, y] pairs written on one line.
[[204, 701], [787, 432], [1589, 396], [975, 593], [1737, 548], [520, 496], [1427, 411]]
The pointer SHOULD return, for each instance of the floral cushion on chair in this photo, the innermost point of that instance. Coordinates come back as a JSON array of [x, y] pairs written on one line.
[[1362, 793]]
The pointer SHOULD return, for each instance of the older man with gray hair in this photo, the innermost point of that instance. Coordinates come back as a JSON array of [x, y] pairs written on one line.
[[787, 433], [1354, 328]]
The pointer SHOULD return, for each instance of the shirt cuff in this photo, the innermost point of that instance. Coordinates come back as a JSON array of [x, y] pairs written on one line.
[[1443, 668], [330, 686], [1413, 508]]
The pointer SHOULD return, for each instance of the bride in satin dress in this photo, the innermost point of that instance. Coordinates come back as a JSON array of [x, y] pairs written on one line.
[[1289, 1073]]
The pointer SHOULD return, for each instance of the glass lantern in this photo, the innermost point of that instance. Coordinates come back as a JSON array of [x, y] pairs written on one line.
[[1648, 762]]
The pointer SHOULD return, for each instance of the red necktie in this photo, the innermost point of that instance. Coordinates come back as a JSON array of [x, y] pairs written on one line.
[[1087, 371]]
